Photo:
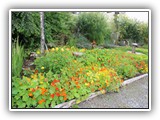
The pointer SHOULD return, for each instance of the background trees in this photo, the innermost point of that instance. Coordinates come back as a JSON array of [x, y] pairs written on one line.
[[133, 30], [67, 28]]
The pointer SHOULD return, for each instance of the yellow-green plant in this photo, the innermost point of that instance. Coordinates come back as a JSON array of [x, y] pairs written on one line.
[[17, 59]]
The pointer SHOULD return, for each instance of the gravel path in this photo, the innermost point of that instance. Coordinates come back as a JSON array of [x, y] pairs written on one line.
[[133, 95]]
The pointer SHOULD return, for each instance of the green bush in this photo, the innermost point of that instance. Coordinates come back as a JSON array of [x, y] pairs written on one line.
[[94, 26], [17, 59]]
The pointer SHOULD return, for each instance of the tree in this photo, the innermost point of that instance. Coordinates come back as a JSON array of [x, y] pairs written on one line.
[[42, 32], [25, 26], [94, 26]]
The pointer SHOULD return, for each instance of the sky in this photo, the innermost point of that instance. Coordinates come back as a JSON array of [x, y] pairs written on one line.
[[141, 16]]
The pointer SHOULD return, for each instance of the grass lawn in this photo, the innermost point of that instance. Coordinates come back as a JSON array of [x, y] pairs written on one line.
[[61, 76]]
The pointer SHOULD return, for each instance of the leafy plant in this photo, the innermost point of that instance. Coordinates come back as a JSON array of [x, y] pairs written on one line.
[[60, 76], [17, 59]]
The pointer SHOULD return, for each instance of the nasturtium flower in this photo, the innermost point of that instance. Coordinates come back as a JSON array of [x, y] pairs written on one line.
[[38, 52], [41, 82], [56, 49], [42, 68], [87, 84], [30, 94], [52, 49], [57, 94], [52, 95], [103, 91], [92, 82], [65, 98], [62, 49], [41, 101]]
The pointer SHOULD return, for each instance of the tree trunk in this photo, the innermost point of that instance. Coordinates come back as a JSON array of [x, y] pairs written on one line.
[[42, 32]]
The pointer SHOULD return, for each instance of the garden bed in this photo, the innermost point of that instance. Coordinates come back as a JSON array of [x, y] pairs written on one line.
[[60, 76], [92, 95]]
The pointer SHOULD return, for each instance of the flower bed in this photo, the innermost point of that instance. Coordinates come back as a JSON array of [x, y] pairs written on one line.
[[61, 76]]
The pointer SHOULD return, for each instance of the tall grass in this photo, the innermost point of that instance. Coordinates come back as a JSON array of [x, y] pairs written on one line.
[[17, 59]]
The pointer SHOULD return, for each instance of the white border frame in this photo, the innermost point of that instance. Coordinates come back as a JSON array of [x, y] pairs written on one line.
[[87, 10]]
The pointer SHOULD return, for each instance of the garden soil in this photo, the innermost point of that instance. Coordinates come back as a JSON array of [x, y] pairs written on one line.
[[133, 95]]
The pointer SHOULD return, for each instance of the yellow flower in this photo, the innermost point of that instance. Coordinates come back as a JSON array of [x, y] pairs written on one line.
[[41, 77], [67, 49], [74, 61], [42, 68], [41, 82], [103, 91], [38, 52], [92, 82], [52, 49], [34, 76], [87, 84], [62, 49], [56, 49], [28, 79]]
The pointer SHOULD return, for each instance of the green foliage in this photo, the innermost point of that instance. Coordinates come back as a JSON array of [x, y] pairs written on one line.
[[17, 59], [60, 77], [94, 26], [143, 50], [55, 61], [26, 26], [133, 29], [58, 27]]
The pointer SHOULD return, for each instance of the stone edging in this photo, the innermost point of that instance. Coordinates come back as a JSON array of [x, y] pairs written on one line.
[[133, 79], [92, 95]]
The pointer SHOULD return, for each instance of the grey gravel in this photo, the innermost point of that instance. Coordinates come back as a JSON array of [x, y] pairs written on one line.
[[133, 95]]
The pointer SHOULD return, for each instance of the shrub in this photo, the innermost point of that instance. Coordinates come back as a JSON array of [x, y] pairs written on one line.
[[93, 26]]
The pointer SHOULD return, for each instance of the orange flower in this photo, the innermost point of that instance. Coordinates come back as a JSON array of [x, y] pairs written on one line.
[[30, 94], [78, 86], [57, 88], [36, 72], [41, 101], [99, 88], [57, 94], [122, 81], [54, 81], [32, 89], [43, 90], [92, 68], [72, 78], [85, 81], [52, 95], [65, 98], [92, 90], [52, 84], [63, 94], [76, 83]]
